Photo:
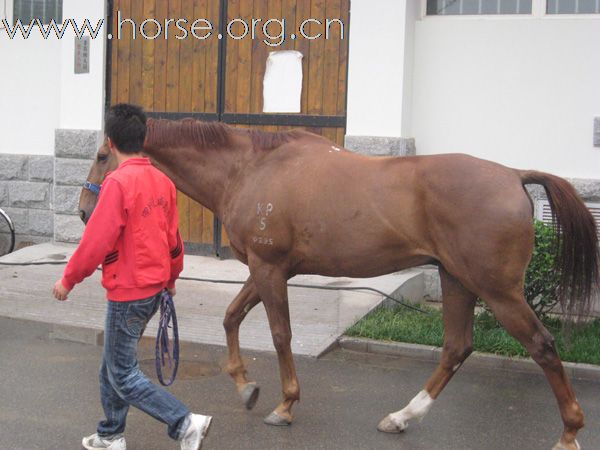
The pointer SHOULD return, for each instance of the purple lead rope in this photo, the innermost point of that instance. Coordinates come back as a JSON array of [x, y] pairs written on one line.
[[167, 314]]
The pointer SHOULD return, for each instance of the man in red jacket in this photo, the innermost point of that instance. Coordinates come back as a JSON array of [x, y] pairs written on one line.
[[134, 233]]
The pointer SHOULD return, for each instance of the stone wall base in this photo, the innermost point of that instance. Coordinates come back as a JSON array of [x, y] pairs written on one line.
[[26, 186], [41, 193], [75, 151], [380, 146]]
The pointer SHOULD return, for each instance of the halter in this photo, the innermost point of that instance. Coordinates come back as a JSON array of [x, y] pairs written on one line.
[[93, 188]]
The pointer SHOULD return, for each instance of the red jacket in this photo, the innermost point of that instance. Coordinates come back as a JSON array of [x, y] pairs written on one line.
[[133, 232]]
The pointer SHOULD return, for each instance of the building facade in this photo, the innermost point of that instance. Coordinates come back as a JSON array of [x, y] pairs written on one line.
[[512, 81]]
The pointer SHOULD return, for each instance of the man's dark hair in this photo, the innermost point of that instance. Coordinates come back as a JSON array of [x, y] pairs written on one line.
[[125, 125]]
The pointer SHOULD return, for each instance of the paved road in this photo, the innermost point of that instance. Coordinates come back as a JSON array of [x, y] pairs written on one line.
[[49, 400]]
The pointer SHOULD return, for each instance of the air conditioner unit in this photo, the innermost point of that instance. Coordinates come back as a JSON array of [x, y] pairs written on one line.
[[544, 213]]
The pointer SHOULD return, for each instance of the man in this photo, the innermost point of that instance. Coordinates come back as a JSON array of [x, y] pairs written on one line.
[[134, 233]]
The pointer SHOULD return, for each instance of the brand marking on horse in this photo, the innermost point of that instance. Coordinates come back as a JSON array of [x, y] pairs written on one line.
[[337, 149], [262, 240], [263, 211]]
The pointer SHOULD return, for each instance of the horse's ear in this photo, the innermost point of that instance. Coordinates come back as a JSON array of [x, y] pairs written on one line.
[[110, 145]]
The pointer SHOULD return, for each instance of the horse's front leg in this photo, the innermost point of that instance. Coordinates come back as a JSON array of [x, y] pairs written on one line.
[[246, 299], [271, 284]]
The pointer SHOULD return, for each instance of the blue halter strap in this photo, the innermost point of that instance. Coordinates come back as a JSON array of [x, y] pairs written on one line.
[[93, 188]]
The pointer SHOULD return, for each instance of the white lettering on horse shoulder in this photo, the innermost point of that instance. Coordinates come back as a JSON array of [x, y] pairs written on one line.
[[262, 240], [263, 211]]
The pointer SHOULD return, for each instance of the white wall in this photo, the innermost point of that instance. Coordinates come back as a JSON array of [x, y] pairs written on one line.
[[29, 92], [82, 95], [377, 62], [38, 89], [522, 91]]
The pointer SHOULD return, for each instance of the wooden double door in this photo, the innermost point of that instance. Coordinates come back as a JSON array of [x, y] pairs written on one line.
[[216, 78]]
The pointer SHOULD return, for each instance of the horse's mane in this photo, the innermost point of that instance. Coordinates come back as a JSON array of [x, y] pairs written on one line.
[[162, 132], [268, 140]]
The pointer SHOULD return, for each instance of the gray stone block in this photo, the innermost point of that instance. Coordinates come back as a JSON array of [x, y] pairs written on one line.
[[13, 167], [3, 193], [67, 228], [24, 194], [66, 199], [41, 222], [597, 132], [71, 172], [41, 168], [80, 144], [381, 146], [588, 189], [20, 219]]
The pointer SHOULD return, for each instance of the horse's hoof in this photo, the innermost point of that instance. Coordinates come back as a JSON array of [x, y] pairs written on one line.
[[388, 426], [560, 446], [250, 395], [277, 420]]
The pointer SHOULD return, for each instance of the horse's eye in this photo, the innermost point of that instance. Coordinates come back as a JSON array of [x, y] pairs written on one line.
[[102, 158]]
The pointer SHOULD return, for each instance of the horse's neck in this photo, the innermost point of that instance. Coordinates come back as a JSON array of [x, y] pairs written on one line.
[[201, 174]]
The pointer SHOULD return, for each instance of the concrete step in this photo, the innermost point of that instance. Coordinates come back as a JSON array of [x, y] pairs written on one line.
[[318, 317]]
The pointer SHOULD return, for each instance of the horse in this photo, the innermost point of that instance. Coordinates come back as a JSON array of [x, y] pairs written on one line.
[[296, 203]]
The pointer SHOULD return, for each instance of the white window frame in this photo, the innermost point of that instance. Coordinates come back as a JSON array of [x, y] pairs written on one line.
[[538, 11]]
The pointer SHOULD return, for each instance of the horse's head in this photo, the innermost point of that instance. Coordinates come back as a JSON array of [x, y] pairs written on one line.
[[105, 161]]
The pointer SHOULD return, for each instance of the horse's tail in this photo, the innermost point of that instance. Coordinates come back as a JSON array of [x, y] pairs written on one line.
[[577, 249]]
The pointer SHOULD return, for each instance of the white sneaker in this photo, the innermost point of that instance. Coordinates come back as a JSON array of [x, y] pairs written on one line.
[[95, 442], [196, 431]]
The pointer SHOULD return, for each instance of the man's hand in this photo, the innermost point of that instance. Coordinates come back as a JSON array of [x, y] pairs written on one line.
[[172, 291], [59, 291]]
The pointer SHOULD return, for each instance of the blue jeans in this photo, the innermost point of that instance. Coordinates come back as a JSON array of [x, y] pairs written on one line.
[[122, 383]]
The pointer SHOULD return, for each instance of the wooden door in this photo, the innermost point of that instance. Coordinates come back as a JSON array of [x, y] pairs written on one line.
[[325, 66], [169, 78], [222, 79]]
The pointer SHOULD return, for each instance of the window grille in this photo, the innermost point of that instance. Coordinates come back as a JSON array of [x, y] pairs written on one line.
[[573, 7], [544, 213], [44, 10], [477, 7]]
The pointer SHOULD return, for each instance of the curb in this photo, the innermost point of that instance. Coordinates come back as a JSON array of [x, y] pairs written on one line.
[[578, 371], [48, 331]]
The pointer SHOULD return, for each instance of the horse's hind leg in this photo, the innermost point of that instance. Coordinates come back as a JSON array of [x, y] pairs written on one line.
[[521, 322], [246, 299], [459, 306]]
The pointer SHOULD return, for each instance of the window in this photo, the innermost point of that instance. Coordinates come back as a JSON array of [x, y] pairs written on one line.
[[573, 7], [44, 10], [477, 7]]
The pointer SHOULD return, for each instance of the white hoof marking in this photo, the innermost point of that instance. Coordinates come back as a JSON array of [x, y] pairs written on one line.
[[416, 409]]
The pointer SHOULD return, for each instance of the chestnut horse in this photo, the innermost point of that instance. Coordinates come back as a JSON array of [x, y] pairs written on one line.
[[295, 203]]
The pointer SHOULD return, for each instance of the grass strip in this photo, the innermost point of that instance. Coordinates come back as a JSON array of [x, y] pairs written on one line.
[[403, 325]]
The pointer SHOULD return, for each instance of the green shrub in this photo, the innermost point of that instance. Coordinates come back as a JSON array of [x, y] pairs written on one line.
[[542, 278]]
